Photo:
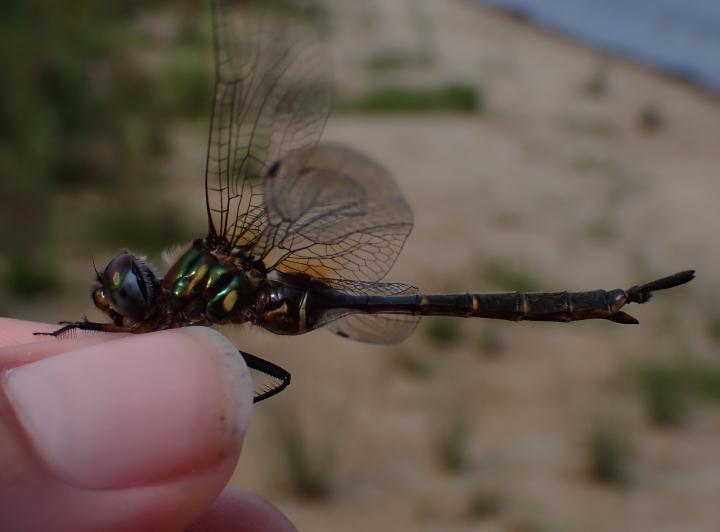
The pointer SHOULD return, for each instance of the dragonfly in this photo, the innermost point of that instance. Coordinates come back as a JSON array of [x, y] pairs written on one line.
[[301, 233]]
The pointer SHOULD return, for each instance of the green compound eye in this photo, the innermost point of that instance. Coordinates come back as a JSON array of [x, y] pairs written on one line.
[[129, 286]]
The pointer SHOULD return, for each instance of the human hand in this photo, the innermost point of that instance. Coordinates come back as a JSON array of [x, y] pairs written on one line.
[[124, 432]]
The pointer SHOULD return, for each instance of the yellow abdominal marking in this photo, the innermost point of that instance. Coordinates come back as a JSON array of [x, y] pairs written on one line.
[[199, 275], [525, 305], [302, 313], [229, 301], [282, 309], [475, 304], [424, 301]]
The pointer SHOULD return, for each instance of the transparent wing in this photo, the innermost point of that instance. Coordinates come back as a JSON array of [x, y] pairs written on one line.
[[273, 93], [372, 328], [332, 213]]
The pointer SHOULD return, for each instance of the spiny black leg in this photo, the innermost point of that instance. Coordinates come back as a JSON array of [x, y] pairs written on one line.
[[271, 370], [68, 326]]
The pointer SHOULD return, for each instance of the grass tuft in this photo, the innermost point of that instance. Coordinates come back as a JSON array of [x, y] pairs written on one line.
[[443, 331], [505, 277], [669, 387], [713, 327], [396, 59], [601, 230], [604, 167], [310, 464], [410, 363], [665, 391], [533, 526], [590, 127], [25, 278], [610, 455], [452, 98], [484, 504], [490, 344], [451, 435]]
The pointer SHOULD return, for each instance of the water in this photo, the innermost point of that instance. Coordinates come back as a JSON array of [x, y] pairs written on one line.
[[679, 36]]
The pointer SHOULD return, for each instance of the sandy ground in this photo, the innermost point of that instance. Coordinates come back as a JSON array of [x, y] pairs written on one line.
[[550, 181]]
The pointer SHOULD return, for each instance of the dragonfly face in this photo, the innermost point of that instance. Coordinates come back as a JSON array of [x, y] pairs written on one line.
[[127, 289], [301, 234]]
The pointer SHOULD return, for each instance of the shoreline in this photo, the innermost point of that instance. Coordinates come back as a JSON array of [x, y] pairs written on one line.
[[518, 17]]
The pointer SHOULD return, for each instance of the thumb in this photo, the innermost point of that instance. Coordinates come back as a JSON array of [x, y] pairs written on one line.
[[130, 433]]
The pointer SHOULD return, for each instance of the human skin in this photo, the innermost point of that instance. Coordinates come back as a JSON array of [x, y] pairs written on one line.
[[124, 432]]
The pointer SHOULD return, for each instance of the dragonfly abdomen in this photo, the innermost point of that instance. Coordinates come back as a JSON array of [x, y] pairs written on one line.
[[517, 306], [554, 306]]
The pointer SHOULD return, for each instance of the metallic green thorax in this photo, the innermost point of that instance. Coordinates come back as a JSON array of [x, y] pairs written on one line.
[[200, 284]]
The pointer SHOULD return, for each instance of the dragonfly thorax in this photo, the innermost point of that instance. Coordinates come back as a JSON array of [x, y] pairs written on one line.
[[281, 308], [204, 290]]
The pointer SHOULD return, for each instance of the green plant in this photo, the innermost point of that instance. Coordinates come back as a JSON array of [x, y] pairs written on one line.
[[309, 459], [533, 526], [665, 391], [714, 327], [410, 363], [395, 59], [484, 503], [453, 98], [490, 344], [442, 331], [602, 166], [451, 435], [81, 117], [506, 277], [601, 230], [589, 126], [669, 387], [610, 455], [27, 277]]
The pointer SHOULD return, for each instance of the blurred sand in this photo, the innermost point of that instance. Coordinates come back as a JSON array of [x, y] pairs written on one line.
[[551, 181]]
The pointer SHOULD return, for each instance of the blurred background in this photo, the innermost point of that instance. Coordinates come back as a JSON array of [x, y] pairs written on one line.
[[533, 160]]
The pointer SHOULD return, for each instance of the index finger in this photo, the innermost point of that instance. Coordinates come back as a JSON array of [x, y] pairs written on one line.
[[141, 432], [16, 332], [20, 345]]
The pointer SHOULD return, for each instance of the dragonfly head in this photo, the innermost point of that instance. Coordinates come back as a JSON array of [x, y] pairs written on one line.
[[126, 288]]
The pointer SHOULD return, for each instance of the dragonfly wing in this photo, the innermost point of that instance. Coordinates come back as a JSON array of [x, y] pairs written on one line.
[[375, 329], [332, 213], [273, 92], [372, 328]]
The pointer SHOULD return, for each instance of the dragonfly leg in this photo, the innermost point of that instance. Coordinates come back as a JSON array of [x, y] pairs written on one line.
[[269, 369], [69, 326]]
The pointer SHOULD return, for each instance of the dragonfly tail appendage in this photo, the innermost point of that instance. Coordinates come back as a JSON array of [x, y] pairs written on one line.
[[643, 293]]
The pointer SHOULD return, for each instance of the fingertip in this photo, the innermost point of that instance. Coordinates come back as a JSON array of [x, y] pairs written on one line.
[[16, 332], [136, 410], [241, 511]]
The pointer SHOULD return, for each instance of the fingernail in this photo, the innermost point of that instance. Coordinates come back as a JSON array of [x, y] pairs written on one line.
[[135, 410]]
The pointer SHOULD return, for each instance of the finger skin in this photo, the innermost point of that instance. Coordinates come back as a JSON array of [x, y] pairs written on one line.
[[40, 490], [239, 511], [16, 332]]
